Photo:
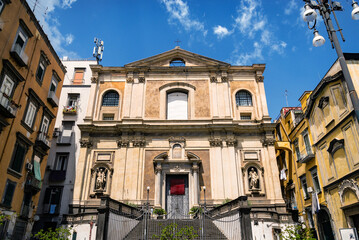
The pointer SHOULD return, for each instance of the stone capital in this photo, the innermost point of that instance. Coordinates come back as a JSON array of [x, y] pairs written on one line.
[[138, 142], [123, 143], [215, 142], [85, 143], [231, 142], [268, 142]]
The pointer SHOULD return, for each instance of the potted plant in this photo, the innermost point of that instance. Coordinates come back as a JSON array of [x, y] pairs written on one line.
[[159, 212]]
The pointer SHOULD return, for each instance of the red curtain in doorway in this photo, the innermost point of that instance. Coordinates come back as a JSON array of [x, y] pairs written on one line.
[[177, 187]]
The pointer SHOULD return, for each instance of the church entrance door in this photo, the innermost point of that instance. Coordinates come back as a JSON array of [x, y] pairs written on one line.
[[177, 200]]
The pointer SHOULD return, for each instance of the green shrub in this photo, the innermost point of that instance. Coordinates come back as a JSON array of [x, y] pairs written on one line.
[[159, 211], [297, 232], [195, 210], [59, 234], [171, 232]]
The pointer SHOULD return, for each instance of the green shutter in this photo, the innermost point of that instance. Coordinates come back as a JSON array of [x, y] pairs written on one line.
[[37, 170]]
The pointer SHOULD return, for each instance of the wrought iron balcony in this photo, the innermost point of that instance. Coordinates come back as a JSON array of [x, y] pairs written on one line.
[[32, 184], [18, 54], [53, 99], [306, 155], [70, 110], [57, 176], [8, 107], [43, 141]]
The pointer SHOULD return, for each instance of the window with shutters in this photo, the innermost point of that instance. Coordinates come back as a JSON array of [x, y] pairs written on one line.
[[110, 99], [30, 114], [18, 156], [303, 181], [6, 91], [79, 74], [61, 161], [41, 68], [52, 200], [177, 106], [8, 193], [315, 179]]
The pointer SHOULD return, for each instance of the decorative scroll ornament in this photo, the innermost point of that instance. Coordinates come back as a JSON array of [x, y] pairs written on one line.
[[231, 142], [123, 143], [129, 79], [85, 143], [94, 79], [345, 185], [224, 79], [158, 168], [215, 142], [139, 142], [268, 142], [213, 79], [141, 79]]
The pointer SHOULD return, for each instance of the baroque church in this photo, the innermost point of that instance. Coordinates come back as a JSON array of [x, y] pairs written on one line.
[[179, 130]]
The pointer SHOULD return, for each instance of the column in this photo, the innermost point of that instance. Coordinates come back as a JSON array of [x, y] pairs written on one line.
[[195, 169], [158, 172]]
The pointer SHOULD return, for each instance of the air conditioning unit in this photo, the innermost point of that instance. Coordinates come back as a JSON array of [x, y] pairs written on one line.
[[29, 166]]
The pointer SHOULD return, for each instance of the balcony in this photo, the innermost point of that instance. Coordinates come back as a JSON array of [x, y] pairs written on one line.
[[57, 175], [18, 54], [306, 155], [32, 184], [65, 138], [43, 141], [72, 110], [53, 99], [8, 107]]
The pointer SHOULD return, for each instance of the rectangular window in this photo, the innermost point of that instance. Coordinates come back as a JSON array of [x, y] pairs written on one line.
[[45, 125], [246, 116], [72, 99], [8, 193], [52, 200], [6, 91], [306, 140], [66, 133], [61, 161], [79, 76], [303, 181], [30, 114], [296, 147], [1, 5], [54, 84], [40, 71], [18, 156], [315, 179], [20, 40], [108, 117]]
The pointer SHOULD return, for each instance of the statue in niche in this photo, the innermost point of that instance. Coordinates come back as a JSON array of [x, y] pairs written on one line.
[[101, 179], [253, 179]]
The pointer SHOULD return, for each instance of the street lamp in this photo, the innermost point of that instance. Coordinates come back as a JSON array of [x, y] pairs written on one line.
[[325, 8]]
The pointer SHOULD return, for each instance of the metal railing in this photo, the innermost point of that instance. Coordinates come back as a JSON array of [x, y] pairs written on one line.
[[8, 103]]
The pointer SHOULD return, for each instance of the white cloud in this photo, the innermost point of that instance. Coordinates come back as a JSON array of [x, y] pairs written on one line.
[[252, 23], [179, 11], [221, 32], [248, 58], [50, 24], [290, 7], [69, 39]]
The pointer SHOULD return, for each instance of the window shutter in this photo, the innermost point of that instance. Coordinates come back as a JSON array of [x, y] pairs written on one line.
[[177, 106], [18, 158]]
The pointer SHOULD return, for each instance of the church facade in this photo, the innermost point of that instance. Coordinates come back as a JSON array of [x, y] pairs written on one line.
[[180, 130]]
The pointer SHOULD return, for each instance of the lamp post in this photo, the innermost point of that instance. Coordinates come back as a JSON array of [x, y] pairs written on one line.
[[325, 8]]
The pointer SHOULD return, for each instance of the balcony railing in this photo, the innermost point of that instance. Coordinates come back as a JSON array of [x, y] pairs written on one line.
[[65, 139], [43, 141], [306, 155], [32, 184], [8, 106], [53, 99], [18, 54], [57, 175], [70, 110]]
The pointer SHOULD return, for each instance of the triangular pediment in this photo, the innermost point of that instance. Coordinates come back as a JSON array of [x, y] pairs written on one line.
[[164, 59]]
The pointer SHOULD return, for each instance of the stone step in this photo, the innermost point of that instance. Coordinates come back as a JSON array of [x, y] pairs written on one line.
[[211, 232]]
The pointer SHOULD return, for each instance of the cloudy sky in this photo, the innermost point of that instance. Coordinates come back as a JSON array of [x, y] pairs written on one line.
[[240, 32]]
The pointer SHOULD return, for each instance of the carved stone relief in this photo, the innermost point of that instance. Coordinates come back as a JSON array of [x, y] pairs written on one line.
[[345, 185]]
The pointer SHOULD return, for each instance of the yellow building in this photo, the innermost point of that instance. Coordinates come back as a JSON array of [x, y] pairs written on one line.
[[30, 84], [318, 148]]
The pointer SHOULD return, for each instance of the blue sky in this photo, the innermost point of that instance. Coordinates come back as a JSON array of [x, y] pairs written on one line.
[[240, 32]]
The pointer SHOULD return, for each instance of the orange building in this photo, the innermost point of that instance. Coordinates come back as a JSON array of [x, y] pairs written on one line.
[[30, 85]]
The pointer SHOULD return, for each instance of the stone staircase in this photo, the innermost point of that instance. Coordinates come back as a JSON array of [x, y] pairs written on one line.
[[211, 232]]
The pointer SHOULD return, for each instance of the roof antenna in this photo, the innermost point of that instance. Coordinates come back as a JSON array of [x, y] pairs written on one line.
[[286, 96], [98, 50]]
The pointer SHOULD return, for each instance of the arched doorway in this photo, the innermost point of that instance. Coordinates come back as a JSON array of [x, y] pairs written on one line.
[[324, 225]]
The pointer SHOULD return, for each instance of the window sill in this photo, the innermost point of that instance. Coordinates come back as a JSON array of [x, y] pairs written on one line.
[[14, 173], [29, 129]]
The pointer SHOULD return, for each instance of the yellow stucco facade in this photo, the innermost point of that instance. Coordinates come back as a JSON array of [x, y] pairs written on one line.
[[323, 156]]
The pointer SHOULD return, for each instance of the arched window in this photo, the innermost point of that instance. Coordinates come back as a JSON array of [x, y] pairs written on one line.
[[177, 63], [177, 106], [110, 98], [243, 98]]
